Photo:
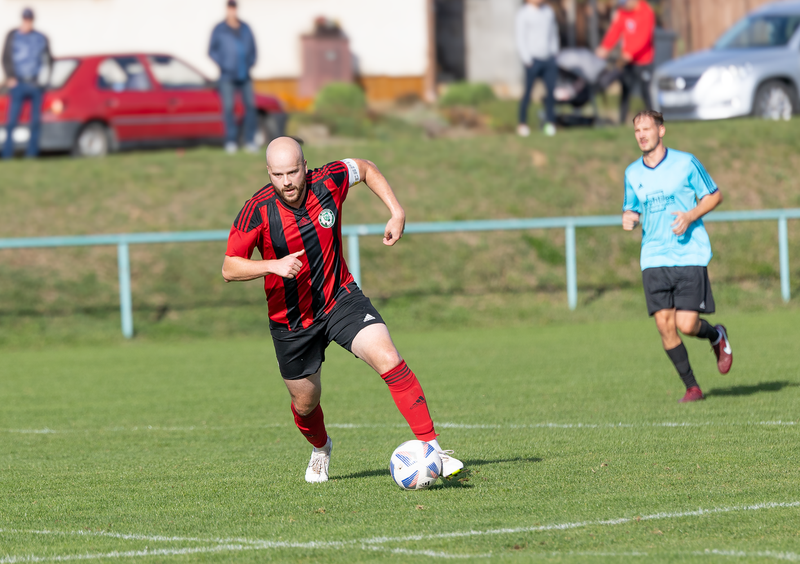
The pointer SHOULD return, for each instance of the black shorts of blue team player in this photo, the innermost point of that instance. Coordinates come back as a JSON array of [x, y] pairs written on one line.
[[301, 353], [679, 287]]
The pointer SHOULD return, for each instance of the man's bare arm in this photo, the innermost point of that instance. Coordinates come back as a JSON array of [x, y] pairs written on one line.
[[239, 269], [684, 219], [376, 182]]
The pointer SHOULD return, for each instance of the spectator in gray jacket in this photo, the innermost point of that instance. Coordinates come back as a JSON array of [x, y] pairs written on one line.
[[233, 48], [537, 44], [25, 53]]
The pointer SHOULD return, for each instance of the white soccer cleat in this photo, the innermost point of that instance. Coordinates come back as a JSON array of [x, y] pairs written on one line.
[[523, 130], [317, 470], [450, 466], [549, 129], [231, 148]]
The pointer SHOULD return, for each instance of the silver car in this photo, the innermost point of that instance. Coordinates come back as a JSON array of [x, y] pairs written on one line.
[[754, 69]]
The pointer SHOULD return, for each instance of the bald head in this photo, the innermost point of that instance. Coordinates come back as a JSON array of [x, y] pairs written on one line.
[[287, 170], [284, 151]]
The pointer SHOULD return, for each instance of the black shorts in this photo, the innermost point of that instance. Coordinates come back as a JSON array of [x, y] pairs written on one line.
[[301, 353], [679, 287]]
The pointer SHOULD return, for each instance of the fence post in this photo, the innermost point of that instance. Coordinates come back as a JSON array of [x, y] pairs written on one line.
[[354, 258], [572, 275], [783, 250], [125, 302]]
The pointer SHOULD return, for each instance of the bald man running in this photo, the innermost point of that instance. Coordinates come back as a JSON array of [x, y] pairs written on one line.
[[312, 298]]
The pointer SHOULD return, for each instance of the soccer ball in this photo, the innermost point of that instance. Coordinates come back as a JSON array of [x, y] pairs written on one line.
[[415, 465]]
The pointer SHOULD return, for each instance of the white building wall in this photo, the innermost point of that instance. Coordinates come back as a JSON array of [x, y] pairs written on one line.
[[387, 37], [490, 45]]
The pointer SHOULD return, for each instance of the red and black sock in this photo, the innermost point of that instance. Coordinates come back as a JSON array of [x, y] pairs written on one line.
[[312, 426], [680, 358], [410, 400]]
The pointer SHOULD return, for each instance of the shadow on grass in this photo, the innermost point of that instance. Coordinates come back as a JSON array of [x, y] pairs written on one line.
[[363, 474], [468, 464], [158, 311], [752, 389], [481, 462]]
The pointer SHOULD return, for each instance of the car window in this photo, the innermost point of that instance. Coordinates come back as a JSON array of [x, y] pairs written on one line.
[[122, 74], [61, 72], [174, 74], [759, 31]]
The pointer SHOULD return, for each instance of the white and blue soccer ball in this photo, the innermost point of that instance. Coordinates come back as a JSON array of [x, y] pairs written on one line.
[[415, 465]]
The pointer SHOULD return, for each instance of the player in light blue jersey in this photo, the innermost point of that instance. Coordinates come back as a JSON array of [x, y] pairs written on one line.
[[668, 192]]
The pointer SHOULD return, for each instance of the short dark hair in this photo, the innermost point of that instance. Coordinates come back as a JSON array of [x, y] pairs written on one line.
[[657, 117]]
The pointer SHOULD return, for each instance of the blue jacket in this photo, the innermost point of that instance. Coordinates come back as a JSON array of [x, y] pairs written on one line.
[[234, 51], [24, 54]]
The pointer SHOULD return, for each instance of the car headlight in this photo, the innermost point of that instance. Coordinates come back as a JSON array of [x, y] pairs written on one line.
[[726, 76], [721, 83]]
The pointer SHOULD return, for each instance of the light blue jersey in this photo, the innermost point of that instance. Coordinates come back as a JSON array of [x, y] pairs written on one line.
[[676, 184]]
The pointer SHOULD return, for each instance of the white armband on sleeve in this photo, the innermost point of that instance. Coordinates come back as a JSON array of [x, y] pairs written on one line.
[[352, 168]]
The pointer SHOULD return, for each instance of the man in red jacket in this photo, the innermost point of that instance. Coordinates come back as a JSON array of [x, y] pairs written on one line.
[[635, 23]]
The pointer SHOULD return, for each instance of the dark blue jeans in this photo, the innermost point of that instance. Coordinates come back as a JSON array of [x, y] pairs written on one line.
[[547, 70], [227, 90], [18, 95]]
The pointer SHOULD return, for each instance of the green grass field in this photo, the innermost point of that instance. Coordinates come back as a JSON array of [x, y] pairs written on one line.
[[577, 447]]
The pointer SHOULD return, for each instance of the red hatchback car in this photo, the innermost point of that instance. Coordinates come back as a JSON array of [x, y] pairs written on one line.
[[104, 103]]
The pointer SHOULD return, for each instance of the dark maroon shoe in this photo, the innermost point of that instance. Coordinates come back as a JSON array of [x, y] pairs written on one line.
[[693, 394], [723, 351]]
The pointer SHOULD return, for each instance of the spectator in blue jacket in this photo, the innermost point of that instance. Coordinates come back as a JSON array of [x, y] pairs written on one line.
[[233, 48], [25, 53]]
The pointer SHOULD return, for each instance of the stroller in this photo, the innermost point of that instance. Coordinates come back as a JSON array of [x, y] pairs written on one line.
[[581, 76]]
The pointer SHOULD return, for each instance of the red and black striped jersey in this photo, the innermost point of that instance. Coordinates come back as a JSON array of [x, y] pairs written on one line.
[[278, 230]]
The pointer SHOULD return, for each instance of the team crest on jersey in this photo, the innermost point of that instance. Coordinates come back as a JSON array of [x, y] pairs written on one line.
[[326, 218]]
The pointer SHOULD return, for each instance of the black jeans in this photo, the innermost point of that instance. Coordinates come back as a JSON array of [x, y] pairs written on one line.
[[547, 70], [634, 76]]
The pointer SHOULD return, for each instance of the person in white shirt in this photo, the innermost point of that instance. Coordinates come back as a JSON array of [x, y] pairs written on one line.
[[537, 44]]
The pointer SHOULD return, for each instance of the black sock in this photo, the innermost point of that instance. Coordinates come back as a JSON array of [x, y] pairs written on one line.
[[680, 358], [707, 331]]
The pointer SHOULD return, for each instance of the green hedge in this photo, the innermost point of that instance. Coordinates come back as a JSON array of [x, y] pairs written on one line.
[[466, 94], [339, 97]]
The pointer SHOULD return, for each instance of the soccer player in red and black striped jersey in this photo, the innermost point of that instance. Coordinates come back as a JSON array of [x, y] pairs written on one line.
[[295, 223]]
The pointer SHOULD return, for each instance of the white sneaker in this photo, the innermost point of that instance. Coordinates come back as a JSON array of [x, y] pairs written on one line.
[[230, 147], [317, 470], [549, 129], [523, 130], [252, 148], [450, 466]]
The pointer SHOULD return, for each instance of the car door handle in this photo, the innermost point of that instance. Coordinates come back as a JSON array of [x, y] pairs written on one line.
[[174, 102], [112, 102]]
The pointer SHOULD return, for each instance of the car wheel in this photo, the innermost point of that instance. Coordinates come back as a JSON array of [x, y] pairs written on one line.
[[774, 100], [92, 141]]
